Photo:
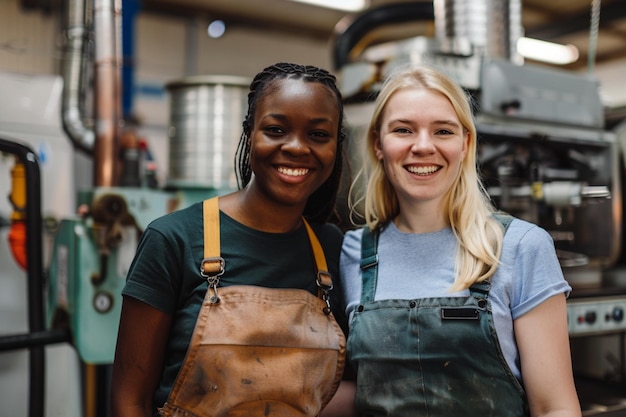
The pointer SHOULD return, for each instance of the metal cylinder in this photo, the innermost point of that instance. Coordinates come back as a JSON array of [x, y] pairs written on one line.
[[492, 26], [206, 116]]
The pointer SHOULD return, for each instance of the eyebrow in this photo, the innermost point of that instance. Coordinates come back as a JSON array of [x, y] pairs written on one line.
[[447, 122], [281, 116], [436, 122], [273, 116]]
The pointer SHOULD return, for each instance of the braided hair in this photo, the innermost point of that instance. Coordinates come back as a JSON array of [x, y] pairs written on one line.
[[321, 203]]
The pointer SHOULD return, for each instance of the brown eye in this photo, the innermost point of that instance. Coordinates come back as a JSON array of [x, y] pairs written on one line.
[[321, 136], [273, 130]]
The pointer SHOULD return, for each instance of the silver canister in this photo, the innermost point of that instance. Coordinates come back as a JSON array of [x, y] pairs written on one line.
[[206, 116]]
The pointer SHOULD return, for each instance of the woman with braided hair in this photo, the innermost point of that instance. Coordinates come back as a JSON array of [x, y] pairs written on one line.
[[180, 351]]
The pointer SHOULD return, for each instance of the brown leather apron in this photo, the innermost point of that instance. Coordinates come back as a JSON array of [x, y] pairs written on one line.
[[258, 351]]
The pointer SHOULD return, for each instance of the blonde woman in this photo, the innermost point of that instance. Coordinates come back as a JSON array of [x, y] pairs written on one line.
[[454, 310]]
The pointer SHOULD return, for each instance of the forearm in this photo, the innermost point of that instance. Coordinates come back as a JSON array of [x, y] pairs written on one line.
[[545, 357], [342, 404], [573, 411], [129, 411]]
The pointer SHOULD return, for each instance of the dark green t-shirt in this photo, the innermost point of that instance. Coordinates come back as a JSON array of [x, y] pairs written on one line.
[[166, 271]]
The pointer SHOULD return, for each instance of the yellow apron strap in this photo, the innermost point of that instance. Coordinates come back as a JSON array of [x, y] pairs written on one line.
[[212, 263], [324, 279]]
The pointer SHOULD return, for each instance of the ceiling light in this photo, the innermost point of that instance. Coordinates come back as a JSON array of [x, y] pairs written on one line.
[[216, 29], [345, 5], [553, 53]]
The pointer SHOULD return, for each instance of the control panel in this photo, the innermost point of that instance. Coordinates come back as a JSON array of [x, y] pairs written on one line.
[[587, 316]]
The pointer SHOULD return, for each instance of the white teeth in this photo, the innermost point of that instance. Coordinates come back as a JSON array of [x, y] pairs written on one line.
[[293, 172], [423, 170]]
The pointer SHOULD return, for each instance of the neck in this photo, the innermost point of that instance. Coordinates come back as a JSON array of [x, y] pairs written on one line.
[[421, 218], [259, 213]]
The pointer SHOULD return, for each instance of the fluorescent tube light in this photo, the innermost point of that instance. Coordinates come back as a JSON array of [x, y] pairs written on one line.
[[345, 5], [550, 52]]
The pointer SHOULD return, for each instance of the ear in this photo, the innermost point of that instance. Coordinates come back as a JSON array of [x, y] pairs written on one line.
[[466, 141], [378, 146]]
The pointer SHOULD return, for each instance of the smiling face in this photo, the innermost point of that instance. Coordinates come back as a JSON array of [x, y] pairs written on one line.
[[294, 141], [422, 145]]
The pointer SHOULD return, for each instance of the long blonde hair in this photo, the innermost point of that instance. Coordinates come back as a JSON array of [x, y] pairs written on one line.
[[467, 205]]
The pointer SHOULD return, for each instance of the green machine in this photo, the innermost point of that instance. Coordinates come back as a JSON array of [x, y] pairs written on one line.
[[90, 259]]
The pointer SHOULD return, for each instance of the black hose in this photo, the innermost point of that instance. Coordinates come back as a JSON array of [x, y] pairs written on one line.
[[373, 18], [36, 320]]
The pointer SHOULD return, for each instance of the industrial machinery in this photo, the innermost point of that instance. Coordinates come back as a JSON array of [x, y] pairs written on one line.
[[544, 155]]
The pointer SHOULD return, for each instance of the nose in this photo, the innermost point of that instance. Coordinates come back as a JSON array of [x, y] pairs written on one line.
[[423, 143], [296, 144]]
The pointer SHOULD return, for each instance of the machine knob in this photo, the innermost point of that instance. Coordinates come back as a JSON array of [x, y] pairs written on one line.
[[590, 317], [618, 314]]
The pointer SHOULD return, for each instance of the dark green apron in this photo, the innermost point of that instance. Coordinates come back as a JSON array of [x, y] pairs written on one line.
[[429, 357]]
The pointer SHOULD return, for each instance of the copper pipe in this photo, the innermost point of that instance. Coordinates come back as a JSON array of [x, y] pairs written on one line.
[[107, 90], [91, 403]]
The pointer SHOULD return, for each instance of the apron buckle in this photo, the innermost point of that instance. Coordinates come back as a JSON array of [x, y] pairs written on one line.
[[212, 269]]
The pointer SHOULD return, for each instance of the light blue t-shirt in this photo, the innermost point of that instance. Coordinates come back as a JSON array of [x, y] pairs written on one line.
[[415, 266]]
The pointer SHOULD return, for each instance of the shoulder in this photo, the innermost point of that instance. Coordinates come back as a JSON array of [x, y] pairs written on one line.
[[525, 235], [170, 234], [352, 238], [186, 218], [530, 271], [194, 210], [351, 247], [529, 255]]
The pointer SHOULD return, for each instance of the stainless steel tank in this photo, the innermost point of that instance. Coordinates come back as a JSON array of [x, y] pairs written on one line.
[[493, 27], [206, 116]]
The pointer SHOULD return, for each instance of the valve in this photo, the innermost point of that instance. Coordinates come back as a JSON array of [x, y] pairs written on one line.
[[110, 215]]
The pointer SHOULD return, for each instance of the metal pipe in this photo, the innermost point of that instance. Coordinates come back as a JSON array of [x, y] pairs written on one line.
[[36, 321], [72, 114], [373, 18], [107, 27], [593, 35], [29, 340]]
